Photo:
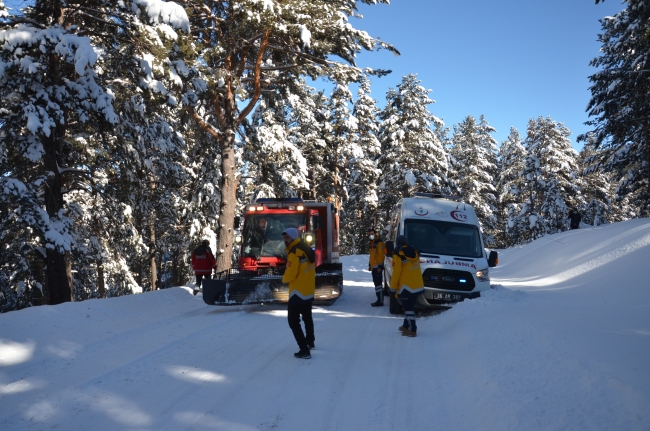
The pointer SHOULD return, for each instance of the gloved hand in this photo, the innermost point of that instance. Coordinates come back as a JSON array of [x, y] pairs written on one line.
[[369, 268]]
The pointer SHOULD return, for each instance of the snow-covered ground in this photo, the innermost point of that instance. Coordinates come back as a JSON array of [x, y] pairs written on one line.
[[561, 343]]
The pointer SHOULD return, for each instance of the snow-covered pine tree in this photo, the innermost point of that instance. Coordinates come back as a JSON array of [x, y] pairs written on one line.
[[595, 190], [413, 158], [273, 160], [342, 144], [237, 39], [474, 160], [360, 211], [512, 160], [525, 222], [620, 103], [50, 95], [550, 181]]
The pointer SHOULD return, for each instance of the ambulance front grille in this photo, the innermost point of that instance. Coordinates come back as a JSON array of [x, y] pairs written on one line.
[[448, 279]]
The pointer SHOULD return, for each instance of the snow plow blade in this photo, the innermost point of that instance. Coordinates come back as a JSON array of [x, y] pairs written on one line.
[[264, 286]]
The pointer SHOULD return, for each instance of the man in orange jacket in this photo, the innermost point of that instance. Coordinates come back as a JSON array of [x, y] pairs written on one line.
[[406, 280], [376, 265], [300, 275]]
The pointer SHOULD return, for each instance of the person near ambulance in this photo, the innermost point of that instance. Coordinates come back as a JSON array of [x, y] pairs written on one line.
[[203, 262], [376, 265], [407, 282], [300, 275]]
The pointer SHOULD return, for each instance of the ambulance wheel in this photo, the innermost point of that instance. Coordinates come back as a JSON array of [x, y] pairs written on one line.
[[394, 306]]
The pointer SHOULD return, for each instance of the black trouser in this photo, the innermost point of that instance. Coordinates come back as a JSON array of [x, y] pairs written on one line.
[[408, 300], [378, 281], [293, 316], [199, 277]]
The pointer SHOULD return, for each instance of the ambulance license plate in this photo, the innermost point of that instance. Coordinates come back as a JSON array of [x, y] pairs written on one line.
[[447, 296]]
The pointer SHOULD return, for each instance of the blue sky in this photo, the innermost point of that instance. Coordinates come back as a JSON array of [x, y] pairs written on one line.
[[510, 60]]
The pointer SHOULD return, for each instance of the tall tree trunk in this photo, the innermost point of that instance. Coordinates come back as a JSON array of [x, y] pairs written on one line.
[[101, 282], [645, 209], [153, 272], [138, 259], [228, 185], [153, 269], [59, 277], [175, 272]]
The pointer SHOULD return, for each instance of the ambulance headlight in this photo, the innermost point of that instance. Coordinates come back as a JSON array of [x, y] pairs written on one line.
[[300, 207], [309, 238], [483, 274]]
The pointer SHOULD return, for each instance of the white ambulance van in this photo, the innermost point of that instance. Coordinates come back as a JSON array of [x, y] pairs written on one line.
[[447, 235]]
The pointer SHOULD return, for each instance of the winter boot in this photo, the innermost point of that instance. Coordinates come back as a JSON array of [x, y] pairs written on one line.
[[379, 302], [196, 289], [302, 354], [408, 333], [311, 345], [402, 328]]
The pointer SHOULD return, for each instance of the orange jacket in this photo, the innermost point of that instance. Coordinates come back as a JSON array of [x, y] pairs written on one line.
[[300, 273], [376, 254]]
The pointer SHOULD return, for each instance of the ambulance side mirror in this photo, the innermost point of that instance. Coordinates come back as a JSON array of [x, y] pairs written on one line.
[[389, 247], [493, 259]]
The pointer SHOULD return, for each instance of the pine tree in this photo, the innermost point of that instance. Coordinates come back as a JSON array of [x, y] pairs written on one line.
[[413, 158], [596, 190], [620, 104], [473, 152], [309, 119], [512, 161], [342, 143], [360, 210], [272, 157], [550, 181]]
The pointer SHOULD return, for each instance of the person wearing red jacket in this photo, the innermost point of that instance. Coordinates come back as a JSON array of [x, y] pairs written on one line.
[[203, 262]]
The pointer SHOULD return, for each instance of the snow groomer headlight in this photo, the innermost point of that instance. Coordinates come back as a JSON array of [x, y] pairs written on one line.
[[483, 274]]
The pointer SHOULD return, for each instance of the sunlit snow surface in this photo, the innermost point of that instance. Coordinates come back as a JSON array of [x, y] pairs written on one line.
[[562, 342]]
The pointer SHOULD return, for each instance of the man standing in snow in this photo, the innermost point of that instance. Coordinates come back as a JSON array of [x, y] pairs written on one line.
[[376, 265], [202, 263], [407, 281], [574, 218], [300, 275]]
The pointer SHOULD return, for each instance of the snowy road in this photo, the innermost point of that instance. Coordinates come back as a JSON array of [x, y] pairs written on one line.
[[542, 352]]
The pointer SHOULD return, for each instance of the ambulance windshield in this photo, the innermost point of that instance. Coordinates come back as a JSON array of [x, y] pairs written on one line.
[[443, 238]]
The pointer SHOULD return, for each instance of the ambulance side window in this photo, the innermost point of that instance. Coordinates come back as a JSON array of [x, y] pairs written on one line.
[[397, 226]]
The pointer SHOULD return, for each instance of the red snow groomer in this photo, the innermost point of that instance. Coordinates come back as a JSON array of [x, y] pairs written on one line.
[[263, 257]]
